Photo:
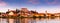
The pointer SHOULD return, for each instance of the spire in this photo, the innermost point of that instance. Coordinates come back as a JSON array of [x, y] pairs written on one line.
[[8, 9], [46, 11], [35, 10]]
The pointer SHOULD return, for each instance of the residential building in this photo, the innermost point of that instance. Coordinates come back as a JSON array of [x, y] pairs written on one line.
[[11, 13]]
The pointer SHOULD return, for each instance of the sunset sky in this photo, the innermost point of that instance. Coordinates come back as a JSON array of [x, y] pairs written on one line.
[[52, 6]]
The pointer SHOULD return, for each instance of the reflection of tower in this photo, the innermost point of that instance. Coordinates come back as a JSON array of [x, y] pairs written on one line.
[[17, 20]]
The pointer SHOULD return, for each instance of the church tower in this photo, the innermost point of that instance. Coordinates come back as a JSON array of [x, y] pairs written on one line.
[[46, 13], [8, 9]]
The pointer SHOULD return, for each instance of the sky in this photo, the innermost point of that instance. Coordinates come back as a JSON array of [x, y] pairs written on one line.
[[52, 6]]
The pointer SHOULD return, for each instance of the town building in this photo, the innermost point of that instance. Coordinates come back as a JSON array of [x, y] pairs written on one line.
[[24, 12], [11, 13], [57, 14]]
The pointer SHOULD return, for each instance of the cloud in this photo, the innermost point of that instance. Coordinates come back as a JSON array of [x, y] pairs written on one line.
[[53, 2], [33, 1], [4, 9], [3, 4]]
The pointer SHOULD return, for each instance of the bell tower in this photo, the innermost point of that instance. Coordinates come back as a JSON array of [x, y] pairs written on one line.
[[46, 13], [8, 9]]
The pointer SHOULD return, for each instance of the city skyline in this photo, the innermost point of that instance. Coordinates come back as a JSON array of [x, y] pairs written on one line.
[[52, 6], [27, 10]]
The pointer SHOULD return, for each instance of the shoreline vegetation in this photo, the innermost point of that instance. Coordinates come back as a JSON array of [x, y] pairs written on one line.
[[26, 17]]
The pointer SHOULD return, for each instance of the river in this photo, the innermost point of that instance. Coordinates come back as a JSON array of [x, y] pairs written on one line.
[[30, 20]]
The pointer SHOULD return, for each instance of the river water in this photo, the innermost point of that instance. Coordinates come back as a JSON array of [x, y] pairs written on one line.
[[30, 20]]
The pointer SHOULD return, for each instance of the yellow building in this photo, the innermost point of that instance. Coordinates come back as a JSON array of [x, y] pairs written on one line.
[[11, 13], [41, 14], [57, 14]]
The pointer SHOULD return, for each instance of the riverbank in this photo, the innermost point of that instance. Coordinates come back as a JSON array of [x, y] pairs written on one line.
[[27, 17]]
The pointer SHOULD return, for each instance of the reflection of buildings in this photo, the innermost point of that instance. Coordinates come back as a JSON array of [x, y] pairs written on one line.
[[26, 20], [3, 20], [16, 20], [11, 20], [22, 20]]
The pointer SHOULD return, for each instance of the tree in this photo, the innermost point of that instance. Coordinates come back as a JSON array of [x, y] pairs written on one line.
[[33, 12], [17, 10], [34, 16], [0, 13]]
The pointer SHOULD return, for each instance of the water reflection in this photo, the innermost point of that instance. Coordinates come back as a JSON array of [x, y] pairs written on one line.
[[3, 20], [0, 20], [30, 20], [11, 20]]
